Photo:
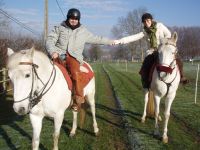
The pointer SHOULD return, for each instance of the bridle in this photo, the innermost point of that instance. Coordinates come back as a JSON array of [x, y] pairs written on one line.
[[34, 96], [168, 69]]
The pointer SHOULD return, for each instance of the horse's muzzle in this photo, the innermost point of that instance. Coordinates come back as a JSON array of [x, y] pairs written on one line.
[[21, 111]]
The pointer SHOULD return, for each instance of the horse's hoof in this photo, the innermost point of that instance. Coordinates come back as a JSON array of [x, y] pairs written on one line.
[[96, 134], [71, 135], [143, 120], [165, 140]]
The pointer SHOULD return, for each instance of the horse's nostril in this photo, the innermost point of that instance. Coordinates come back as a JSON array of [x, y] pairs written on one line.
[[21, 110]]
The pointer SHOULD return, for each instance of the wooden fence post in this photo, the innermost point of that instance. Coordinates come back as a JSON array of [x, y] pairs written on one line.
[[4, 73], [195, 100]]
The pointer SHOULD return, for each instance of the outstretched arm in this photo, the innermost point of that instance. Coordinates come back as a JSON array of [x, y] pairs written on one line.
[[130, 38], [93, 39]]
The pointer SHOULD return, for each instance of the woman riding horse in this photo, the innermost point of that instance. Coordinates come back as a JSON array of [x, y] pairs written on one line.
[[154, 31]]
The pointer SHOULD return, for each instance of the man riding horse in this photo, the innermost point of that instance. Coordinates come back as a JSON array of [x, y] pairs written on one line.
[[154, 31], [68, 40]]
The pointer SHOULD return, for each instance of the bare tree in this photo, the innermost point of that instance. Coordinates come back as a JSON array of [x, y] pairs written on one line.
[[131, 24], [93, 53], [188, 42]]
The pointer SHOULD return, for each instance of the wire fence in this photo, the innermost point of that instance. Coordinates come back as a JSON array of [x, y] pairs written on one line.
[[4, 81]]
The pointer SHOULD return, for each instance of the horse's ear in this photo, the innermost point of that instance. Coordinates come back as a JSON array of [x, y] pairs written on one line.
[[175, 37], [9, 51], [32, 51]]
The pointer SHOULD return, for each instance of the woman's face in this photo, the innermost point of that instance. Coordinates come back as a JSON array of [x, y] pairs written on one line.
[[147, 23], [73, 22]]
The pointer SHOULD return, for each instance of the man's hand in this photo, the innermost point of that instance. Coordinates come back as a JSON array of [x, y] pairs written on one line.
[[55, 55], [83, 69]]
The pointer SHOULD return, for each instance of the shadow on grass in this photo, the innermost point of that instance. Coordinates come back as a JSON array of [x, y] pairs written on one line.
[[127, 114], [67, 130], [8, 118], [120, 113]]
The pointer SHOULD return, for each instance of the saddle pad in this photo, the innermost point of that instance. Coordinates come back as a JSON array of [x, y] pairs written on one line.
[[65, 74], [90, 74]]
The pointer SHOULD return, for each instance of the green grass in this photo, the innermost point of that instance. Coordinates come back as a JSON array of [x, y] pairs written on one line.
[[183, 129]]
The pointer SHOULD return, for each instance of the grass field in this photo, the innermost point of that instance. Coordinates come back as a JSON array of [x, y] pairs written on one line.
[[184, 123]]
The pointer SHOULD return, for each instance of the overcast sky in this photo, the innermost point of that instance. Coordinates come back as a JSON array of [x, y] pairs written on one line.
[[99, 16]]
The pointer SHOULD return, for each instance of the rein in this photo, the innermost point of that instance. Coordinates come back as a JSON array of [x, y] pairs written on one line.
[[35, 99]]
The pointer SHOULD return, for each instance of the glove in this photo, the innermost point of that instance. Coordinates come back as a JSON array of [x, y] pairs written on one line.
[[149, 51]]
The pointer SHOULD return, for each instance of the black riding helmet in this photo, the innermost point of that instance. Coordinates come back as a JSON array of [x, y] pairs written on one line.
[[74, 14], [146, 16]]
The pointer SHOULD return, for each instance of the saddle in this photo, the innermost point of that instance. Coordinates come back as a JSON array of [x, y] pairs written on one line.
[[85, 77], [61, 65]]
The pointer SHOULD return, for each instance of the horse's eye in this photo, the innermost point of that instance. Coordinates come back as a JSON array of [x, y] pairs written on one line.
[[27, 75]]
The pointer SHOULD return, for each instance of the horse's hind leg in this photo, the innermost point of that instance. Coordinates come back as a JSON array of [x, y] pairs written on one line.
[[91, 102], [58, 119], [146, 93], [74, 125], [36, 122]]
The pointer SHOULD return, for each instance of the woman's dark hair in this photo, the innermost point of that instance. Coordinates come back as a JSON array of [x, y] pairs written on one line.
[[146, 16]]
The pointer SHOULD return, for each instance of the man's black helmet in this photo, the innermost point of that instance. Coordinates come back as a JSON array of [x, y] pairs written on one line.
[[146, 16], [74, 14]]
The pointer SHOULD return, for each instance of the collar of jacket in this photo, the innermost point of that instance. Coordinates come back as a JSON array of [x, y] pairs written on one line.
[[67, 25]]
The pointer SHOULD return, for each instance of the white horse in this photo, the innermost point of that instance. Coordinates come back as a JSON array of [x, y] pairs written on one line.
[[165, 81], [40, 89]]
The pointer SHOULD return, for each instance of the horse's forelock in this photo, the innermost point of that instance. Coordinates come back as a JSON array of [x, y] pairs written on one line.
[[168, 41], [16, 58]]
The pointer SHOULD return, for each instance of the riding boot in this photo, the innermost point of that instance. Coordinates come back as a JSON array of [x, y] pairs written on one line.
[[183, 80], [78, 93], [144, 77], [146, 69]]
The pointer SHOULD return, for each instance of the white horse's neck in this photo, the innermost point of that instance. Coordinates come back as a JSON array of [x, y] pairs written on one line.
[[45, 65]]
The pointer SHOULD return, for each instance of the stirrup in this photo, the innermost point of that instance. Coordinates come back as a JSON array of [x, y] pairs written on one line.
[[184, 80]]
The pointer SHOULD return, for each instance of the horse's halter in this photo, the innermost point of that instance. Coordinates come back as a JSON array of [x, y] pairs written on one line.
[[34, 96], [167, 68]]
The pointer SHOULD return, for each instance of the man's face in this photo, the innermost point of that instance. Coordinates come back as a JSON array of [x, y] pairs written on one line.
[[147, 23], [73, 21]]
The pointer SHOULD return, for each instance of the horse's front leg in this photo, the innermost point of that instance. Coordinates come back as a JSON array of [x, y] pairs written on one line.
[[74, 125], [146, 93], [168, 103], [157, 111], [36, 122], [58, 119]]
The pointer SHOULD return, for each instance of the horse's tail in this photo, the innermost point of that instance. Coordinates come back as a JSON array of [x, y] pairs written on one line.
[[150, 105], [83, 109]]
